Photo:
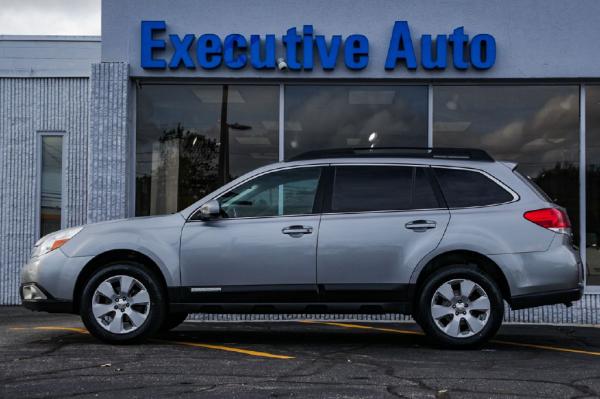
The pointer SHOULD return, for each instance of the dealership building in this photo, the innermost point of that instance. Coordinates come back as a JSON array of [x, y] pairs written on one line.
[[178, 97]]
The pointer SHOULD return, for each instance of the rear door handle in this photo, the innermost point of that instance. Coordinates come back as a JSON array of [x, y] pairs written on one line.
[[420, 225], [297, 230]]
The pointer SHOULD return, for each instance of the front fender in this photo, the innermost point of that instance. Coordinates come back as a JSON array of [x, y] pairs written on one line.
[[158, 238]]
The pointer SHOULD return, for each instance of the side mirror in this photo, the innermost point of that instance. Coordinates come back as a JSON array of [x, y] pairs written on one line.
[[211, 210]]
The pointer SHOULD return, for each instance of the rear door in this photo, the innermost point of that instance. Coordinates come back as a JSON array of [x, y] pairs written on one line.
[[379, 221]]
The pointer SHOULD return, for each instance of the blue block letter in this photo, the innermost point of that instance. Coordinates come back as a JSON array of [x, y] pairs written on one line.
[[401, 47], [291, 40], [483, 46], [181, 51], [268, 62], [307, 46], [235, 42], [328, 57], [149, 44], [429, 60], [208, 51], [459, 40], [356, 52]]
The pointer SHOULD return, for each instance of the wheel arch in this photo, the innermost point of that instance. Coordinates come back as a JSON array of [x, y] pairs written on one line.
[[463, 257], [115, 255]]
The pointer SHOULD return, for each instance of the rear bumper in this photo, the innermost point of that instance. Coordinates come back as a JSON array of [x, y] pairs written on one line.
[[546, 298]]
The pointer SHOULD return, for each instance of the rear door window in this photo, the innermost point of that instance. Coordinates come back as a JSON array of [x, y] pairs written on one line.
[[381, 188], [464, 188]]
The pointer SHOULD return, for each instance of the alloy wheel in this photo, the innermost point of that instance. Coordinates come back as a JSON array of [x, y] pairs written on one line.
[[121, 304], [460, 308]]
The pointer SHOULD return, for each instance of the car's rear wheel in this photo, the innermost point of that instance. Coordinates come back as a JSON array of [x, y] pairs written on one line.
[[122, 303], [173, 320], [460, 306]]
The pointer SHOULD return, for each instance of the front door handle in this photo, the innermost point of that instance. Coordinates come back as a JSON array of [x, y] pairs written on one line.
[[297, 230], [420, 225]]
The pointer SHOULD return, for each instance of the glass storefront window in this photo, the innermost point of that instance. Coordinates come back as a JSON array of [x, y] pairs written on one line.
[[51, 175], [535, 126], [192, 139], [592, 126], [321, 117]]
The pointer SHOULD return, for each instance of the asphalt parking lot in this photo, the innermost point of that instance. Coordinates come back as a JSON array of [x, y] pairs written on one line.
[[45, 356]]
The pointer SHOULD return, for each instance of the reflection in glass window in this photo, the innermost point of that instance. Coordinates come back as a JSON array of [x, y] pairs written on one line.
[[464, 188], [321, 117], [51, 184], [592, 126], [536, 126], [287, 192], [381, 188], [192, 139]]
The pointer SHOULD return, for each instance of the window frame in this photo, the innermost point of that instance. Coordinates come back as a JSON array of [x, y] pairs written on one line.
[[317, 203], [328, 201], [63, 178]]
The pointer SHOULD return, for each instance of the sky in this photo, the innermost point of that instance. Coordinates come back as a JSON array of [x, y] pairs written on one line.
[[50, 17]]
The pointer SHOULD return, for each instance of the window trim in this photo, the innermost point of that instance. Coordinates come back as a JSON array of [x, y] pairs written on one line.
[[514, 194], [63, 179], [327, 209], [317, 200]]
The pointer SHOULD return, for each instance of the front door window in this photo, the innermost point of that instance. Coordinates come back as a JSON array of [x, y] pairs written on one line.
[[281, 193]]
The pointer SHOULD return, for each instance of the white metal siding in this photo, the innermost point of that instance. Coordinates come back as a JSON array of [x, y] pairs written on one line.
[[28, 106]]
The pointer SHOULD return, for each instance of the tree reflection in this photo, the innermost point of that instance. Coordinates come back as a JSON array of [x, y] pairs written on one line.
[[198, 168], [561, 183]]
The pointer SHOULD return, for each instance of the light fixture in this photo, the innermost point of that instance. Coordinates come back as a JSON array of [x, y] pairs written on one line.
[[452, 104]]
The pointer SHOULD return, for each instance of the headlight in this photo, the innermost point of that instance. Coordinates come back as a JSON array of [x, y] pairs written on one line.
[[54, 241]]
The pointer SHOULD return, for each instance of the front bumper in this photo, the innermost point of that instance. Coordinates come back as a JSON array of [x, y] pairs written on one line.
[[55, 273], [42, 301]]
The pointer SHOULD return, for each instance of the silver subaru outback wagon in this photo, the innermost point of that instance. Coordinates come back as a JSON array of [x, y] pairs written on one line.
[[446, 235]]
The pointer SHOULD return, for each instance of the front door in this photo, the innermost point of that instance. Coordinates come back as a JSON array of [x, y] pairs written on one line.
[[380, 221], [263, 248]]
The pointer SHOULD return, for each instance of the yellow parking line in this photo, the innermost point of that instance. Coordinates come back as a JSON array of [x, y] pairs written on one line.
[[547, 347], [193, 344], [52, 328], [228, 349], [56, 328], [364, 327], [496, 341]]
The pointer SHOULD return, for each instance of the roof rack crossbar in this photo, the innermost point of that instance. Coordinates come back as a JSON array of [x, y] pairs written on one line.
[[465, 154]]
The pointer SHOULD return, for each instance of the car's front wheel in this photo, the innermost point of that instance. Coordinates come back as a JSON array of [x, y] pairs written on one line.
[[460, 306], [122, 303]]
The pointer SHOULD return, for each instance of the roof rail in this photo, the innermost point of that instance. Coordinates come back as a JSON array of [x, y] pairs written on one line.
[[465, 154]]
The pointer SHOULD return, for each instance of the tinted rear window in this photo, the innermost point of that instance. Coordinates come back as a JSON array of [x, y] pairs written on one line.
[[381, 188], [464, 188]]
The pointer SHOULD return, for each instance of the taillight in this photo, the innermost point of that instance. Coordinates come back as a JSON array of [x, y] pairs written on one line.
[[550, 218]]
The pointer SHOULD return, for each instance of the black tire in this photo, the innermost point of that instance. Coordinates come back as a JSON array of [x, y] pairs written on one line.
[[156, 313], [424, 304], [173, 320]]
